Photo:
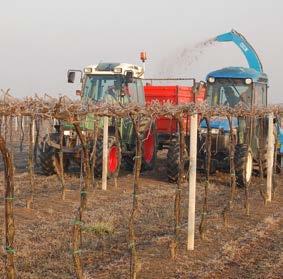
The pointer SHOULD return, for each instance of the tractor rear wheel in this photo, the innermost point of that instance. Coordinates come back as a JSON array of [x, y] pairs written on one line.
[[173, 161], [114, 157], [243, 164], [149, 152], [47, 155]]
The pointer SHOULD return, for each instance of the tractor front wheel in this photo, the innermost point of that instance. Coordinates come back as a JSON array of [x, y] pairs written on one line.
[[243, 164], [114, 157]]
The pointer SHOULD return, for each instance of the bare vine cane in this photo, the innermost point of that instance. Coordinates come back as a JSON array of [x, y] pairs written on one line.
[[59, 162], [229, 206], [9, 210], [38, 123], [1, 124], [134, 264], [116, 120], [22, 133], [177, 200], [275, 166], [261, 159], [203, 222], [93, 152], [5, 128], [78, 223]]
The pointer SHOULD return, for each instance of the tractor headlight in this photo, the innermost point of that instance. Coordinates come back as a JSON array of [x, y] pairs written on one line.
[[203, 130], [211, 79], [117, 70], [248, 81], [88, 70], [214, 131]]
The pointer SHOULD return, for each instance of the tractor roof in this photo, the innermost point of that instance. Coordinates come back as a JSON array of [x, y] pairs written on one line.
[[240, 73], [114, 68]]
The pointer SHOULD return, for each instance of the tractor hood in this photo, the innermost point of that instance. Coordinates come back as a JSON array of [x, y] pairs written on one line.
[[220, 123]]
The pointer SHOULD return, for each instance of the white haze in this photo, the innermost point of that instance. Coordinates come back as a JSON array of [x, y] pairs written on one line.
[[40, 40]]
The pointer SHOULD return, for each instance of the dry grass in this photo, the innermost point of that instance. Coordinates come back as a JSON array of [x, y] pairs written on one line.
[[248, 248]]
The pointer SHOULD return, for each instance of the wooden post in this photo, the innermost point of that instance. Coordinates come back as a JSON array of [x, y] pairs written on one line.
[[270, 156], [134, 263], [105, 153], [31, 163], [177, 202], [192, 181], [9, 210], [79, 222], [16, 123]]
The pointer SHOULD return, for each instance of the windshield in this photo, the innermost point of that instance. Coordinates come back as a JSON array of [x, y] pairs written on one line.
[[113, 89], [229, 92]]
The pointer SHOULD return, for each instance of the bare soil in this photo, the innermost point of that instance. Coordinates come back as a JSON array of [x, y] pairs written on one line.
[[250, 247]]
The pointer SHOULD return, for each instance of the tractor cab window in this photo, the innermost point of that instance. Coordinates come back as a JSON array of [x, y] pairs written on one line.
[[229, 92], [106, 88], [260, 95], [113, 89], [136, 91]]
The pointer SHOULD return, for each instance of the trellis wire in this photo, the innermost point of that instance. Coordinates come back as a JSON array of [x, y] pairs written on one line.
[[75, 112]]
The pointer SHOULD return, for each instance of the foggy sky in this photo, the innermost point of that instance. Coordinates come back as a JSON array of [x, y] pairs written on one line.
[[40, 40]]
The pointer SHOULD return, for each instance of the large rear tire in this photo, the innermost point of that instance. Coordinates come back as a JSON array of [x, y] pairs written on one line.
[[173, 161], [114, 157], [47, 155], [149, 152], [243, 164]]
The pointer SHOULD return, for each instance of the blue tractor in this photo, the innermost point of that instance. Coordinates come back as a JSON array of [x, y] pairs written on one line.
[[234, 86]]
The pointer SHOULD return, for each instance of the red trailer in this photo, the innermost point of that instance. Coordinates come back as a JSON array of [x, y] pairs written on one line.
[[166, 128]]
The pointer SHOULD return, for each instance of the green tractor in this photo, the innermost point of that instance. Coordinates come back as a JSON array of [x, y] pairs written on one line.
[[114, 83]]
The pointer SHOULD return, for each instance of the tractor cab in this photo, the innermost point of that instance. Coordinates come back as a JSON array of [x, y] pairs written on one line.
[[237, 86], [111, 83]]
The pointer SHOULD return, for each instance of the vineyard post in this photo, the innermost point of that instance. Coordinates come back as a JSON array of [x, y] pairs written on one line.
[[93, 153], [134, 264], [192, 182], [177, 201], [78, 222], [9, 215], [202, 225], [270, 155], [105, 153], [59, 162], [31, 162], [232, 144], [22, 133], [16, 124]]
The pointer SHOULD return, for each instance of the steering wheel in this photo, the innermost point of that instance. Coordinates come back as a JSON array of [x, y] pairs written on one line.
[[226, 103], [110, 92]]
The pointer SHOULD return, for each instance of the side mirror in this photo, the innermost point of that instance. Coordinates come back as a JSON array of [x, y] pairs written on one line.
[[79, 93], [71, 76]]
